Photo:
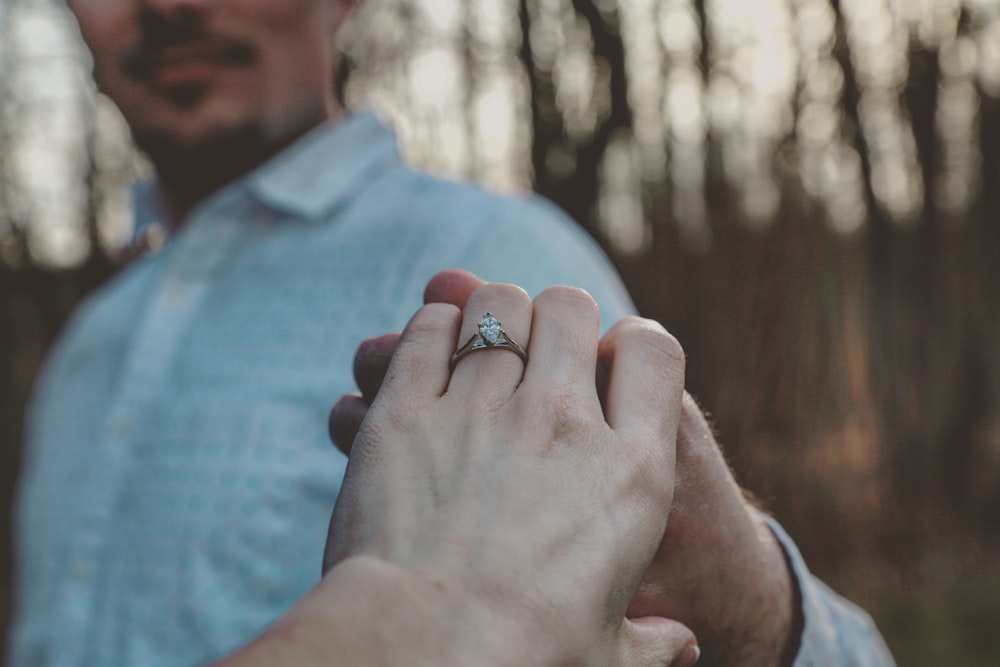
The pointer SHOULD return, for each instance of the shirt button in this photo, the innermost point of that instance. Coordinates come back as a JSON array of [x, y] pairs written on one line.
[[81, 573], [121, 429], [176, 296]]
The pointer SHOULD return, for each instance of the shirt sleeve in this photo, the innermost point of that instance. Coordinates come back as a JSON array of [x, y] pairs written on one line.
[[835, 632]]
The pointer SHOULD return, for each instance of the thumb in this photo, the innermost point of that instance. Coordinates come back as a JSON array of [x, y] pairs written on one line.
[[652, 641]]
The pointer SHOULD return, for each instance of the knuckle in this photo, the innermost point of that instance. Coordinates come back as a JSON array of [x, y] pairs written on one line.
[[652, 473], [576, 296], [509, 290], [565, 415], [638, 331], [390, 425]]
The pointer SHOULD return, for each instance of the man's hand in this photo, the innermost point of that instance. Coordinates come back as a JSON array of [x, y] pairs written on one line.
[[522, 513], [719, 569]]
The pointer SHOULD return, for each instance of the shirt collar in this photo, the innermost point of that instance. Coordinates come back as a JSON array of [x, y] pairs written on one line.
[[321, 171], [327, 167]]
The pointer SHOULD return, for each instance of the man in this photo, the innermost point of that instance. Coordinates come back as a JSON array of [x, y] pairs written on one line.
[[176, 485]]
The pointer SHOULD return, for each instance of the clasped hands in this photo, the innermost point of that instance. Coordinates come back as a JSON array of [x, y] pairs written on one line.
[[544, 496]]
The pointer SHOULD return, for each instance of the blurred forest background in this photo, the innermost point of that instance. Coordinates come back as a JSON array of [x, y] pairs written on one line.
[[806, 192]]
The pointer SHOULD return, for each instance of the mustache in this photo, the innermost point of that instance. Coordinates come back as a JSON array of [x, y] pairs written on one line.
[[166, 39]]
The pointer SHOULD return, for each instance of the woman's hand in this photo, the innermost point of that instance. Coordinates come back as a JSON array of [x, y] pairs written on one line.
[[516, 513]]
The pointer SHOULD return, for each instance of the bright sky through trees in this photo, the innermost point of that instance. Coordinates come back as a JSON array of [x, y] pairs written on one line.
[[764, 90]]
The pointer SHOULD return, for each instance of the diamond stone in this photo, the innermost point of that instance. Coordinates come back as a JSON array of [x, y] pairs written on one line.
[[489, 329]]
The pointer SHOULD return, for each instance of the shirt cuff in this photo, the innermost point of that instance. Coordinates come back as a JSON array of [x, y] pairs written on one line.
[[835, 632]]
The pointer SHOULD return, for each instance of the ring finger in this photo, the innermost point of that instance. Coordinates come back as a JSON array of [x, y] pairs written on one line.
[[496, 324]]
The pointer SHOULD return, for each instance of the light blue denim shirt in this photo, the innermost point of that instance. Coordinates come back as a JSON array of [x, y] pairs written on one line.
[[177, 478]]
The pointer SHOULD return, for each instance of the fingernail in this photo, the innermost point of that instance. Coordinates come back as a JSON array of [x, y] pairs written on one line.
[[693, 654]]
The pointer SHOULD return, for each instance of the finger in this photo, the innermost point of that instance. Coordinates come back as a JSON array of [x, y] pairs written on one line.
[[492, 372], [345, 420], [418, 372], [602, 377], [699, 458], [657, 642], [645, 379], [371, 361], [564, 333], [453, 286]]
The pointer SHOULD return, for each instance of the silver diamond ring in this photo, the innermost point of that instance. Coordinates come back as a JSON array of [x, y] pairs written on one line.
[[490, 336]]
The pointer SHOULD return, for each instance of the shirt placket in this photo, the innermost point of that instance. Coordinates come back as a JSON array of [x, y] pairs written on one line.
[[200, 251]]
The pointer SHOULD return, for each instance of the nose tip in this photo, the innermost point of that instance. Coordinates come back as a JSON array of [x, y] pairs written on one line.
[[175, 4], [169, 21], [184, 11]]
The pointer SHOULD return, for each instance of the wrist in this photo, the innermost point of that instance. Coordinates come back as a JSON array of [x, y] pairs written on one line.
[[782, 634], [769, 625], [421, 618], [328, 626]]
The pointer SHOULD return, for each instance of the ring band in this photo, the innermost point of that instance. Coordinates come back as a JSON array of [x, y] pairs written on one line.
[[490, 336]]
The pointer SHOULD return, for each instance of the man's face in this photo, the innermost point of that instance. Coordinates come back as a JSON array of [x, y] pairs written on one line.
[[189, 72]]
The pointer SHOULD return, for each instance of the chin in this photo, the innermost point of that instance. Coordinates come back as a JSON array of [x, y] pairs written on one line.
[[189, 129]]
